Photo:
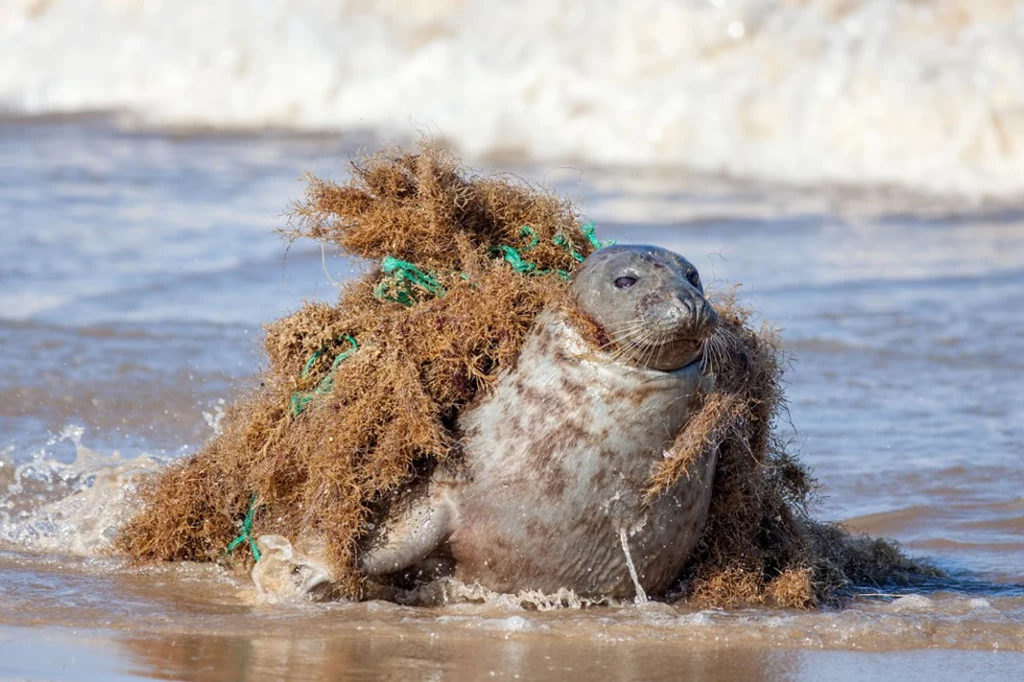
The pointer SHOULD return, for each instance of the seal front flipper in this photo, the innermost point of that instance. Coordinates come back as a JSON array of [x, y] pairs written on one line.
[[417, 524]]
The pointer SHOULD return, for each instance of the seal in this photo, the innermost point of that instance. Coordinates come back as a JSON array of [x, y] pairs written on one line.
[[550, 492]]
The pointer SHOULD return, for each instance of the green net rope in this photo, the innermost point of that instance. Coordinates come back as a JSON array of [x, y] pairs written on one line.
[[326, 385], [405, 283], [246, 534]]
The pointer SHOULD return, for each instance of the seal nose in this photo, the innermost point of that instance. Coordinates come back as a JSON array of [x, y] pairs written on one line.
[[700, 315], [690, 306], [706, 317], [697, 311]]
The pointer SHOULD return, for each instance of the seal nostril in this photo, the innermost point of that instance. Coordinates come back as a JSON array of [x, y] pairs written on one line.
[[708, 316], [688, 306]]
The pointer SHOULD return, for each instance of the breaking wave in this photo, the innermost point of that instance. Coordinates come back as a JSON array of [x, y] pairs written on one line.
[[922, 95]]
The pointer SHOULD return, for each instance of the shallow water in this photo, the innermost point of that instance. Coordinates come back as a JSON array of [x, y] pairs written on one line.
[[137, 269]]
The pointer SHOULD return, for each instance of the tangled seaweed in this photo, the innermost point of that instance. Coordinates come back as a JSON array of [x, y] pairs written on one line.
[[466, 264]]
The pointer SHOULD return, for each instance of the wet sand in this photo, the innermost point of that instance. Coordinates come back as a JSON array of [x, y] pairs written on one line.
[[99, 655], [90, 619]]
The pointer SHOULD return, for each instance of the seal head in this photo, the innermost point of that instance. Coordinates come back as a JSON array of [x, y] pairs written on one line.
[[650, 303]]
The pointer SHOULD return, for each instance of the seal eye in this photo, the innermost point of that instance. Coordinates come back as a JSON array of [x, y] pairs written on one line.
[[625, 282], [693, 278]]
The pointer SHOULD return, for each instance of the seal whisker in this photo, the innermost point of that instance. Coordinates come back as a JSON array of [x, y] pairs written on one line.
[[640, 343], [724, 335], [706, 351], [718, 346], [630, 333], [714, 353], [624, 339], [653, 350], [631, 330], [645, 349]]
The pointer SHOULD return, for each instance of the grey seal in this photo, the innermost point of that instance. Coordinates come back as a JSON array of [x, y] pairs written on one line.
[[556, 461]]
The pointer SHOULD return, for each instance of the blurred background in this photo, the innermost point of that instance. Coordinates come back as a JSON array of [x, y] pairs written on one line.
[[924, 94]]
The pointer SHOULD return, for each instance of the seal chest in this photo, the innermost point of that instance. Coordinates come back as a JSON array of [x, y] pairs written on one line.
[[558, 460]]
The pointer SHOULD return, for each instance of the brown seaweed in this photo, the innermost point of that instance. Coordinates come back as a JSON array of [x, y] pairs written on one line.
[[467, 263]]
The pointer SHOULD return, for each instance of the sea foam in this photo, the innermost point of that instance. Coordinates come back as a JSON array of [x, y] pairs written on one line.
[[923, 95]]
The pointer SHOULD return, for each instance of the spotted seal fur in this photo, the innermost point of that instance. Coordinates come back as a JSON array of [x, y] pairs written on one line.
[[558, 457]]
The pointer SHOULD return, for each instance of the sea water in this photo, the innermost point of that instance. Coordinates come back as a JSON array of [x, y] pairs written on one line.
[[137, 271]]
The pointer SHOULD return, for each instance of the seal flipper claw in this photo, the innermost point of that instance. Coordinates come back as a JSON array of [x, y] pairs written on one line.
[[417, 525]]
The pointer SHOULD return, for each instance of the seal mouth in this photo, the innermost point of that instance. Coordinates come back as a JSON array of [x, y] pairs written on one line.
[[692, 348], [698, 361], [666, 354]]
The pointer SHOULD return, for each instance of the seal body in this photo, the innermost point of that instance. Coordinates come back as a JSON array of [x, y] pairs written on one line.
[[558, 461], [559, 455]]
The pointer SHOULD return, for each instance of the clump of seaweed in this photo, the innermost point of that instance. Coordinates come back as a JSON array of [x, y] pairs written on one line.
[[761, 545], [359, 399]]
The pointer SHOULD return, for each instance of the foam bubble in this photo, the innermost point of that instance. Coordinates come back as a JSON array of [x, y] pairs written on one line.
[[912, 603], [51, 506]]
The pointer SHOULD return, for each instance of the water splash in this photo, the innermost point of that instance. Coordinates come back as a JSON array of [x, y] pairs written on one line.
[[449, 591], [286, 575], [69, 508], [213, 419], [641, 596]]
